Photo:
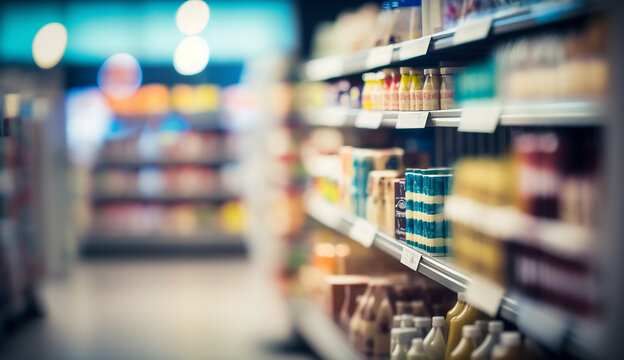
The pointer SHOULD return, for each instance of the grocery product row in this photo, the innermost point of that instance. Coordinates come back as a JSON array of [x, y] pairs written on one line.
[[350, 46]]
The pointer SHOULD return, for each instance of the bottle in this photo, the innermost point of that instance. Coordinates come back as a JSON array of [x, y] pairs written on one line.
[[404, 89], [422, 325], [484, 350], [417, 351], [377, 91], [509, 348], [482, 325], [467, 345], [396, 321], [468, 316], [394, 91], [407, 321], [394, 338], [455, 310], [386, 99], [416, 90], [367, 98], [434, 343], [405, 336], [431, 90], [447, 87]]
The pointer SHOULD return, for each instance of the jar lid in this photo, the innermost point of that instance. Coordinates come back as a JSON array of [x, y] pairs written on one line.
[[432, 71], [451, 70]]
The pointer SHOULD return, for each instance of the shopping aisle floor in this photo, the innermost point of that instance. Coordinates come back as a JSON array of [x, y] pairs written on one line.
[[159, 309]]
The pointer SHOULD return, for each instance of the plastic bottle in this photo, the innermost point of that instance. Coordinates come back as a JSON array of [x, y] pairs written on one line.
[[434, 343], [417, 351], [407, 321], [404, 89], [509, 348], [416, 90], [482, 325], [455, 310], [467, 345], [468, 316], [405, 336], [386, 98], [484, 350], [367, 99], [431, 90], [394, 338], [422, 325], [408, 17], [377, 93]]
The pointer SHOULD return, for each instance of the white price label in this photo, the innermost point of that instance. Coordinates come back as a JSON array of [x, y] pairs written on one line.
[[414, 48], [541, 322], [480, 117], [412, 119], [367, 119], [472, 30], [379, 56], [410, 258], [363, 232], [485, 295]]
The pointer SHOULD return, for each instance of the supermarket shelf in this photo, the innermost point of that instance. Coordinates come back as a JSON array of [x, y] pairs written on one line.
[[322, 334], [209, 244], [442, 271], [215, 197], [573, 113], [137, 163], [512, 20]]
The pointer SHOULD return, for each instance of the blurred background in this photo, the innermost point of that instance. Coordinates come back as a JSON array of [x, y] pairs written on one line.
[[289, 179]]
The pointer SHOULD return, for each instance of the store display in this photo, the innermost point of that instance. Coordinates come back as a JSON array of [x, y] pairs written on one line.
[[434, 343], [467, 344], [417, 350], [456, 325], [495, 328]]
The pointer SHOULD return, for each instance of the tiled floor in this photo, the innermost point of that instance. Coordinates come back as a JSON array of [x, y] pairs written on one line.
[[158, 309]]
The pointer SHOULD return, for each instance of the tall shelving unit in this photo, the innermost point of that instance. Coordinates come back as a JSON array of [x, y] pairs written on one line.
[[561, 332]]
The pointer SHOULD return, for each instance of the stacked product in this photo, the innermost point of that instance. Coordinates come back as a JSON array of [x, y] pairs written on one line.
[[545, 193]]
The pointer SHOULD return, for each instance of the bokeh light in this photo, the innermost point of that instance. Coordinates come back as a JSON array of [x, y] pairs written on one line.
[[120, 76], [49, 45], [191, 56], [192, 17]]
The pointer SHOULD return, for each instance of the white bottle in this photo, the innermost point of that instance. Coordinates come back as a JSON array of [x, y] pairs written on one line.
[[407, 321], [434, 343], [484, 351], [482, 325], [417, 351], [422, 324], [405, 336]]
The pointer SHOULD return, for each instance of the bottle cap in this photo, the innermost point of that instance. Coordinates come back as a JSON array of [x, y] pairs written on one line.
[[470, 331], [461, 297], [451, 70], [422, 321], [438, 321], [396, 321], [510, 338], [415, 71], [498, 351], [418, 344], [407, 321], [495, 326], [432, 71], [404, 70], [387, 71], [482, 325]]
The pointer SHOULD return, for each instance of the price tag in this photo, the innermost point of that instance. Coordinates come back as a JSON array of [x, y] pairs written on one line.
[[410, 258], [363, 232], [485, 295], [538, 321], [480, 117], [414, 48], [367, 119], [412, 119], [379, 56], [472, 30]]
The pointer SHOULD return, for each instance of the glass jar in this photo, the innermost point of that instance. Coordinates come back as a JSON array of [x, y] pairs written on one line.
[[431, 90], [447, 88], [404, 89]]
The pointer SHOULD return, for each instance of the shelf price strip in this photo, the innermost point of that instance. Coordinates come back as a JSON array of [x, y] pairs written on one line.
[[379, 56], [363, 232], [410, 258], [367, 119], [472, 30], [480, 117], [412, 120], [414, 48], [485, 295]]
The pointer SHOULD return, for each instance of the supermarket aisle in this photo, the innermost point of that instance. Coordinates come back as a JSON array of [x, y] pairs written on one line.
[[158, 309]]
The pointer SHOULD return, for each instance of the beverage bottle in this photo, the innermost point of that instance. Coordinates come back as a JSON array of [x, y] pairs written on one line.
[[468, 316], [422, 324], [482, 325], [404, 89], [455, 310], [417, 351], [405, 336], [484, 350], [434, 343], [407, 321], [467, 345], [509, 348]]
